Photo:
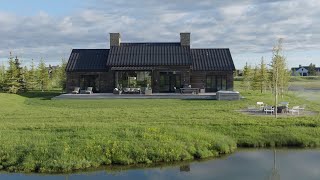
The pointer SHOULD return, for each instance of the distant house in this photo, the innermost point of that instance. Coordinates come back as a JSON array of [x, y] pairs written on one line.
[[303, 70], [163, 66]]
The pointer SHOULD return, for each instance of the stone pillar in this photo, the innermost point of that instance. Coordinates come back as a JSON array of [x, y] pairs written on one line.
[[115, 39], [185, 39]]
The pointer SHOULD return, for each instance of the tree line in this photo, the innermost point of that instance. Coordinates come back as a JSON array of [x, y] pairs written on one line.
[[14, 78], [268, 77]]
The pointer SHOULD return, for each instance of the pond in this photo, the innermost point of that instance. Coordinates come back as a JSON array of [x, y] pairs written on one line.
[[243, 164]]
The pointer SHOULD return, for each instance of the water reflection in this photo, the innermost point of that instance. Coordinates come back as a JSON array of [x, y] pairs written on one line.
[[185, 168], [244, 164], [275, 175]]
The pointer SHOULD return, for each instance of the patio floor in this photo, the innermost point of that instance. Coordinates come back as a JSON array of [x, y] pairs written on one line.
[[261, 113], [204, 96]]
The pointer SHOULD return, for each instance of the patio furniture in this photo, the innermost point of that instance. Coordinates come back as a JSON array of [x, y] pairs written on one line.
[[89, 90], [268, 109], [286, 104], [131, 91], [76, 90], [295, 109], [189, 90], [302, 108], [282, 109], [260, 105], [117, 91]]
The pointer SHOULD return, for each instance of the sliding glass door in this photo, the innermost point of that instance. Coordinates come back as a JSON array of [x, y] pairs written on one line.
[[216, 83], [169, 81]]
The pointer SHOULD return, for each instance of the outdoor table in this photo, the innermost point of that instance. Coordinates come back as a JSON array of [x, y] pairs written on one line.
[[281, 109]]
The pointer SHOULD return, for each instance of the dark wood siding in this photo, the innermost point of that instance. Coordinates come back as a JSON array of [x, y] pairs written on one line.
[[198, 79]]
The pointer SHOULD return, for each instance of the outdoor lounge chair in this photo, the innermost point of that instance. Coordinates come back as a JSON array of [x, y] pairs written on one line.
[[76, 90], [295, 109], [89, 90], [260, 105], [302, 108]]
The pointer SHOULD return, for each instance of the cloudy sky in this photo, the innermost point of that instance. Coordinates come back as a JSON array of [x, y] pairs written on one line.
[[49, 29]]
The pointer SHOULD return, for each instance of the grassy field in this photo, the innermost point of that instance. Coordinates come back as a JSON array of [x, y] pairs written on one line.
[[43, 135]]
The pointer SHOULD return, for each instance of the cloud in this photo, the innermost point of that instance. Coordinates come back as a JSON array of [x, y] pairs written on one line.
[[247, 26]]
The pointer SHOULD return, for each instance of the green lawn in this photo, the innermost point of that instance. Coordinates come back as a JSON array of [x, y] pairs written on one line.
[[43, 135]]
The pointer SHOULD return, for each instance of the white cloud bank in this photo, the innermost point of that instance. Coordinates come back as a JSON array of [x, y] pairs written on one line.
[[249, 27]]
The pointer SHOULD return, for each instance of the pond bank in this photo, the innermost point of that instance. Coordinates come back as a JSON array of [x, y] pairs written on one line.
[[293, 164]]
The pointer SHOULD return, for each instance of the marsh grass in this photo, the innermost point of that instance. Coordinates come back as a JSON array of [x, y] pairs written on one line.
[[42, 135]]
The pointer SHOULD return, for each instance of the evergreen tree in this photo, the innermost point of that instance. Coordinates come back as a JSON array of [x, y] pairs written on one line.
[[43, 76], [62, 74], [312, 70], [2, 76], [12, 79], [32, 77], [263, 76], [20, 77], [25, 77], [255, 83], [247, 76]]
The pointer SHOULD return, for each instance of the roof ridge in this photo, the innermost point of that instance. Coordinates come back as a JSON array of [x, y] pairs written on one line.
[[149, 42], [207, 48], [90, 49]]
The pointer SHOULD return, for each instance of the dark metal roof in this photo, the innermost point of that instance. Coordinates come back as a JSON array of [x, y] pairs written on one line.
[[212, 60], [146, 56], [131, 68], [88, 60], [149, 54]]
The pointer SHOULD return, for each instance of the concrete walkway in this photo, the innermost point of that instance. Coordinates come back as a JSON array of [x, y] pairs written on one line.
[[204, 96]]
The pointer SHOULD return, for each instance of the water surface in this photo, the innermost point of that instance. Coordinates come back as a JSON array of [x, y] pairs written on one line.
[[244, 164]]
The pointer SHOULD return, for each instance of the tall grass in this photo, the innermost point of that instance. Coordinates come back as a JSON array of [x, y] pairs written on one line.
[[42, 135]]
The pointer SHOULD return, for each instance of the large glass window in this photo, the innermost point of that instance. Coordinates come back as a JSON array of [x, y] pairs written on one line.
[[216, 83], [89, 81], [132, 79]]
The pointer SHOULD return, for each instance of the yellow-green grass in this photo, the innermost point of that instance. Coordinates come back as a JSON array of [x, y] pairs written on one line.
[[43, 135]]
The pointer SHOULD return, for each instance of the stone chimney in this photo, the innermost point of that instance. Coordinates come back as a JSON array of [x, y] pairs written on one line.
[[185, 39], [115, 39]]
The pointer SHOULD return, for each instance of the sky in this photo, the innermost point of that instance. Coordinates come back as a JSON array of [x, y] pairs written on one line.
[[50, 29]]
